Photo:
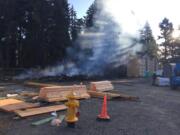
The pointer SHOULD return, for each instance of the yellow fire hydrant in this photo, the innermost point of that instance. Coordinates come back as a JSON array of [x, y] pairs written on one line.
[[73, 105]]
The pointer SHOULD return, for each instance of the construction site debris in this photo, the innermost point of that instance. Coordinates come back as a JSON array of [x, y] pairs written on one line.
[[29, 94], [57, 121], [35, 98], [54, 114], [12, 95], [43, 121], [60, 93], [101, 86], [110, 95], [35, 84], [11, 105], [40, 110]]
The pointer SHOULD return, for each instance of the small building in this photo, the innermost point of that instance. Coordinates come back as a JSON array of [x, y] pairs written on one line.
[[141, 65]]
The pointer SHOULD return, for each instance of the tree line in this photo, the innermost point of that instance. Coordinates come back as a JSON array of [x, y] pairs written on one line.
[[168, 50], [36, 33]]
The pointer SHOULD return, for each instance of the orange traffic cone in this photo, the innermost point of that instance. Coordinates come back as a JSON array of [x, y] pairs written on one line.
[[104, 115]]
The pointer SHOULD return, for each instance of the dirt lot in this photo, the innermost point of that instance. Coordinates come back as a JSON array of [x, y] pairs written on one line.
[[157, 113]]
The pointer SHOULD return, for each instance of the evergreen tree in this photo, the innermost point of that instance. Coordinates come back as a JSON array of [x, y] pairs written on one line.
[[89, 19], [148, 42], [166, 28], [73, 24], [80, 24]]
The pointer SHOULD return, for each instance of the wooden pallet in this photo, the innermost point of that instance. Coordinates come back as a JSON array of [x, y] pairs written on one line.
[[10, 105], [60, 93], [40, 110], [101, 86]]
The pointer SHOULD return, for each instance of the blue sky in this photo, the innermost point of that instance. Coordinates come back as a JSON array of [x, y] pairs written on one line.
[[81, 6]]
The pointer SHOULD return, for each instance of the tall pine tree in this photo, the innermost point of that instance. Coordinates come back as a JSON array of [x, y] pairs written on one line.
[[89, 19], [148, 42], [166, 28]]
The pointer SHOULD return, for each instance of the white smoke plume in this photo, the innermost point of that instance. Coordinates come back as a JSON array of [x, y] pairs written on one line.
[[105, 46], [132, 14]]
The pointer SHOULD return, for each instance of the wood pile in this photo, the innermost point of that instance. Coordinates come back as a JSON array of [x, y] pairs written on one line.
[[101, 86], [60, 93], [54, 93]]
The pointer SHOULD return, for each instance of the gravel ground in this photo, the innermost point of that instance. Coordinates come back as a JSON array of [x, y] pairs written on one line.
[[157, 113]]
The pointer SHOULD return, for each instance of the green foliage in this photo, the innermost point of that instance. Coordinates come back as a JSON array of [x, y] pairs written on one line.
[[89, 19], [73, 24], [166, 28], [148, 42]]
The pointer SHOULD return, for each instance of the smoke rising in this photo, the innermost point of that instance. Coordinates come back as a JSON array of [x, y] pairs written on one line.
[[132, 14], [99, 49]]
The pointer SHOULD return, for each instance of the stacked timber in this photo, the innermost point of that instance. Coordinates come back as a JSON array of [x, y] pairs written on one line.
[[101, 86], [60, 93]]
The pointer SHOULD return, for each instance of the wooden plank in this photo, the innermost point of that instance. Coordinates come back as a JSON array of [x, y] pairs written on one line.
[[17, 106], [41, 110], [111, 95], [85, 96], [10, 105], [9, 102], [96, 94], [62, 88], [60, 93], [35, 84]]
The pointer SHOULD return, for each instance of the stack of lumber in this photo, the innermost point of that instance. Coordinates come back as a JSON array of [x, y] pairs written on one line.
[[97, 94], [11, 105], [60, 93], [101, 86], [40, 110]]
